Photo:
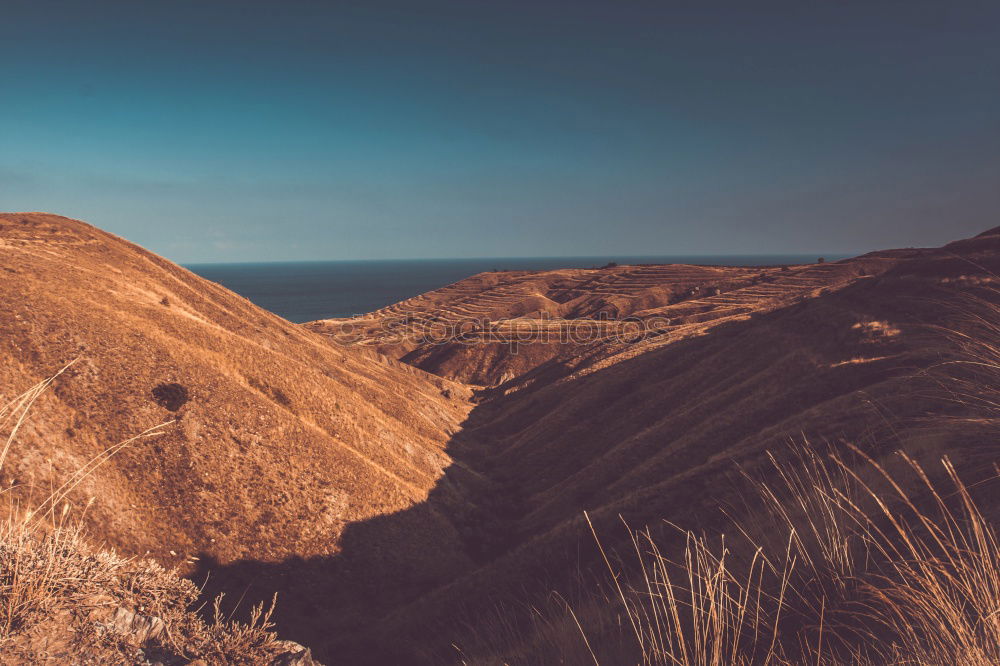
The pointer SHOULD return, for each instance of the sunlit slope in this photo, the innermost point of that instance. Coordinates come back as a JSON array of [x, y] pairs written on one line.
[[495, 328], [278, 439]]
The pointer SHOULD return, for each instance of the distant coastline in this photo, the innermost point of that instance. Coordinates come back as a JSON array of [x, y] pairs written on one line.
[[309, 290]]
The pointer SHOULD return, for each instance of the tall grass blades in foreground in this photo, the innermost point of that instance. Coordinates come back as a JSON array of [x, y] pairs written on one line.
[[853, 565]]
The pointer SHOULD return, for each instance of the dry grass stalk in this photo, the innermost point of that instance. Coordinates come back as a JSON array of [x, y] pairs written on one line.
[[852, 568], [58, 596]]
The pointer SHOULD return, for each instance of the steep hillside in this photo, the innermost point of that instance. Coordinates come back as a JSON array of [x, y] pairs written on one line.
[[651, 429], [275, 442], [391, 509]]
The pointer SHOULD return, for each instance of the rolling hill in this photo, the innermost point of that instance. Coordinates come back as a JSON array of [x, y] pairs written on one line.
[[654, 428], [275, 440], [491, 328], [395, 476]]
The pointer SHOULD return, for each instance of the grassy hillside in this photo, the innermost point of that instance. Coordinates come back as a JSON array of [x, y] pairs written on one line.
[[63, 601], [273, 442], [403, 517], [660, 432]]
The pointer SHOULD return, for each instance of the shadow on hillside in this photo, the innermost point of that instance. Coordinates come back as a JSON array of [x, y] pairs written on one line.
[[331, 604]]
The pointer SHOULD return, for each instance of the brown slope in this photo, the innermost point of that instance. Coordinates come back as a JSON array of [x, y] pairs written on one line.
[[278, 440], [651, 430], [493, 328], [646, 429]]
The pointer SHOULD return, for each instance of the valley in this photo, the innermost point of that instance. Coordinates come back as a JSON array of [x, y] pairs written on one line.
[[395, 477]]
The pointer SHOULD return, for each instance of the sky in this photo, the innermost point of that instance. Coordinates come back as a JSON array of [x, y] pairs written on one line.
[[212, 131]]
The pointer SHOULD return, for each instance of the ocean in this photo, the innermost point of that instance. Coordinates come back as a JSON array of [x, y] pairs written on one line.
[[309, 290]]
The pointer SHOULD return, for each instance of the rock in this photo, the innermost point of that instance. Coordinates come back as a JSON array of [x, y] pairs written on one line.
[[294, 654], [140, 629]]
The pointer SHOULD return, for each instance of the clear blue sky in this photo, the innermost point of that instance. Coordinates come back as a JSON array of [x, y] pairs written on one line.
[[229, 131]]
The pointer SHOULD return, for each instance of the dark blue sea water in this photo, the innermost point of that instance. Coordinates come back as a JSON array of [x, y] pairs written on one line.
[[309, 290]]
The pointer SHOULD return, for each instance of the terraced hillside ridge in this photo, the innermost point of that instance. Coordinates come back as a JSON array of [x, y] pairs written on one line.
[[275, 440], [495, 327]]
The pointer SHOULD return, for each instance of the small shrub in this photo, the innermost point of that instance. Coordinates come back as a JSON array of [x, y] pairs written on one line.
[[171, 396]]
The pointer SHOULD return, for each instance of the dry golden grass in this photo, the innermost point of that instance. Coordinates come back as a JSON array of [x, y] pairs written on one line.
[[851, 568], [243, 385], [838, 562], [62, 601]]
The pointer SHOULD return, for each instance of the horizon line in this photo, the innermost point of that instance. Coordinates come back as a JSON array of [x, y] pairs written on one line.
[[835, 256]]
